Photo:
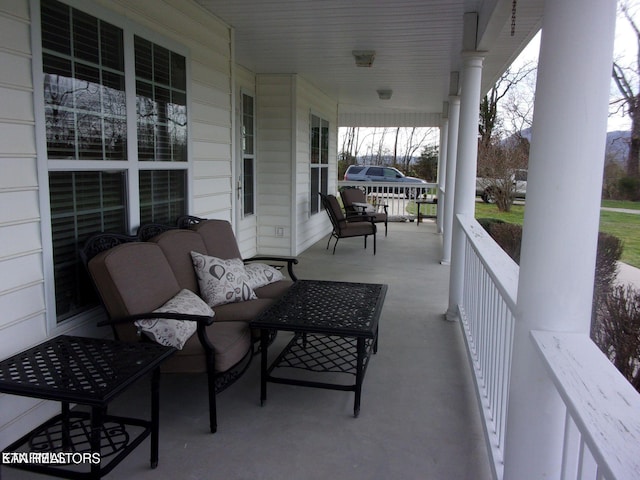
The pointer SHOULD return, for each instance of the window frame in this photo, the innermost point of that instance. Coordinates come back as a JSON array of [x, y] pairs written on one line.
[[248, 156], [321, 166], [131, 166]]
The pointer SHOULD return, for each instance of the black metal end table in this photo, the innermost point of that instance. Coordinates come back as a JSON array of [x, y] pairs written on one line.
[[335, 327], [85, 371]]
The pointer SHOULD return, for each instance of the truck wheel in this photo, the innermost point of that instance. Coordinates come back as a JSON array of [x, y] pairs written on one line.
[[489, 195]]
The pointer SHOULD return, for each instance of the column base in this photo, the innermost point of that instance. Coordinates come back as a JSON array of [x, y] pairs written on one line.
[[451, 315]]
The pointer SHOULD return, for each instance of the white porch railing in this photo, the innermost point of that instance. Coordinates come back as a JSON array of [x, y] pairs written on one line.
[[602, 430], [399, 197], [487, 317]]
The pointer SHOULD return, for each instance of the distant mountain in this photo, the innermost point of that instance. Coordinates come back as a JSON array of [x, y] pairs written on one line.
[[617, 144]]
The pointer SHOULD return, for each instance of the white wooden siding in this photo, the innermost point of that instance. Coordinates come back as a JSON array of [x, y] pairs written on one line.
[[23, 283], [22, 323], [284, 106], [309, 99], [274, 102]]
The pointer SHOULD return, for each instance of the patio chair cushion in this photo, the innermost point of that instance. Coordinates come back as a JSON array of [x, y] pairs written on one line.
[[245, 312], [353, 196], [357, 229], [177, 246], [231, 341], [218, 238], [261, 274], [133, 278], [274, 290], [222, 281], [174, 333]]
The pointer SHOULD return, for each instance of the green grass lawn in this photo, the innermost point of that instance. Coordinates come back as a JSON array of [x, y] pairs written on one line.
[[485, 210], [625, 226]]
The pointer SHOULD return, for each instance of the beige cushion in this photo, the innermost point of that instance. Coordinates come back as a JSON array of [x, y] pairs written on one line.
[[231, 342], [170, 332], [219, 238], [261, 274], [177, 246], [222, 281], [241, 312], [274, 290], [132, 278]]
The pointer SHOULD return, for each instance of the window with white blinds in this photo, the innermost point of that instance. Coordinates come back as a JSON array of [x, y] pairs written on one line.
[[89, 156]]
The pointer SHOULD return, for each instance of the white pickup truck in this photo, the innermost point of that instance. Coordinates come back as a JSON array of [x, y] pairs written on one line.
[[486, 187]]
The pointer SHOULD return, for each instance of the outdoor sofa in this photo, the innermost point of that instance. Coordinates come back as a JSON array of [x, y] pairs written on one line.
[[136, 275]]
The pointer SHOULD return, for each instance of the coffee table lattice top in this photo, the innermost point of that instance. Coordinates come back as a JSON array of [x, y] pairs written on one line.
[[78, 369], [327, 307]]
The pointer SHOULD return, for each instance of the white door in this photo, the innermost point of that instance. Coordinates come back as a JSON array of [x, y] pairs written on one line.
[[246, 177]]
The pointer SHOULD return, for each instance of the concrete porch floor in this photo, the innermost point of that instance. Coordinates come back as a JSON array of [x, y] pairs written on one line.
[[419, 417]]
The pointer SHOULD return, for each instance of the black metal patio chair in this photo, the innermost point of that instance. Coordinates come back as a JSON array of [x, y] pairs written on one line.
[[342, 227], [357, 207]]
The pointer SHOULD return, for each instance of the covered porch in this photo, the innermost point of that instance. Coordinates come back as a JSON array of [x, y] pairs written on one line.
[[251, 76], [419, 416]]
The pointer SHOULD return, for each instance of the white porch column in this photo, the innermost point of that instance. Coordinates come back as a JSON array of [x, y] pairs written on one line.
[[442, 164], [452, 153], [467, 159], [561, 222]]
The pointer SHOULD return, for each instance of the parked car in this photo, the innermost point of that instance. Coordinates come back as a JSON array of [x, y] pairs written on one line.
[[486, 187], [377, 173]]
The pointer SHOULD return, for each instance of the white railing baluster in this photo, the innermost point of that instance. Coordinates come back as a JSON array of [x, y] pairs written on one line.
[[570, 449], [602, 404], [602, 426], [398, 196], [490, 292]]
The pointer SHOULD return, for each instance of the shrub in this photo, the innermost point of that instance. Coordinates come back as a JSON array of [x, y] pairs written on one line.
[[617, 331], [487, 222], [629, 188], [509, 237], [609, 252], [615, 326], [613, 172]]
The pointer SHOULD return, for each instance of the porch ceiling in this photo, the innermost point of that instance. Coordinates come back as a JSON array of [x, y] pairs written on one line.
[[417, 44]]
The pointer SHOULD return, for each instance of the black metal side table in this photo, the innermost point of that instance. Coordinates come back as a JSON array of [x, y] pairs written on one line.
[[336, 331], [84, 371], [419, 204]]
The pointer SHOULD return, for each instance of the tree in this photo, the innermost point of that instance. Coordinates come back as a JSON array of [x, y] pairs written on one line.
[[427, 165], [490, 121], [349, 153], [415, 140], [626, 78], [498, 158]]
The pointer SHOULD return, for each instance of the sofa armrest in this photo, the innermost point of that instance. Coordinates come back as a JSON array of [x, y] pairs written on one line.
[[290, 261], [203, 320]]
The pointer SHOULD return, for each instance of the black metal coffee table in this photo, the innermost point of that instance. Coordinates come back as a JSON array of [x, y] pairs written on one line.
[[85, 371], [335, 327]]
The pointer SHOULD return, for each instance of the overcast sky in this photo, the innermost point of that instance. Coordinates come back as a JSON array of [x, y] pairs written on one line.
[[625, 52]]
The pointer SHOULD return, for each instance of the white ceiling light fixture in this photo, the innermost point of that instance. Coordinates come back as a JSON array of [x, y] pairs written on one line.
[[384, 94], [364, 58]]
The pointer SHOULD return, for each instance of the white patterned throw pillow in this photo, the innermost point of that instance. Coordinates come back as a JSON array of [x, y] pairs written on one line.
[[261, 274], [222, 281], [175, 333]]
